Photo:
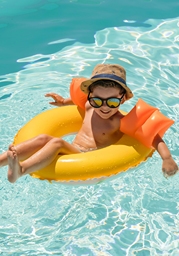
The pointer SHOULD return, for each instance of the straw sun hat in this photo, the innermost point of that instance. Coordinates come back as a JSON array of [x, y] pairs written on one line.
[[112, 72]]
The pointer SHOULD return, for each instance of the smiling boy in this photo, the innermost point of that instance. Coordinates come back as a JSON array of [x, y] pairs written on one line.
[[106, 90]]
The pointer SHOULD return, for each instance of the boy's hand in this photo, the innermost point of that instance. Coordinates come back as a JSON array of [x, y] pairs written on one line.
[[58, 100], [169, 167]]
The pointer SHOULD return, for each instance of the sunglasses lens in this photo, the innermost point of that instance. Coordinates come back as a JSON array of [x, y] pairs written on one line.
[[96, 102], [113, 102]]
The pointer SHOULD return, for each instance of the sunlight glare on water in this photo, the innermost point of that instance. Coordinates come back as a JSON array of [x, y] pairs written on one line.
[[134, 214]]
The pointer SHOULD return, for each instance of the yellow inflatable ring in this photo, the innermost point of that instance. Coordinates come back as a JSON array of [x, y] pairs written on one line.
[[86, 167]]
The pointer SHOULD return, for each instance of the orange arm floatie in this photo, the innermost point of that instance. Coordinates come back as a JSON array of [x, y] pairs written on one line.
[[144, 122], [78, 97]]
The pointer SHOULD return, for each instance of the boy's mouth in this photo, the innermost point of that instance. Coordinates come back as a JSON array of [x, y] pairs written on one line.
[[105, 112]]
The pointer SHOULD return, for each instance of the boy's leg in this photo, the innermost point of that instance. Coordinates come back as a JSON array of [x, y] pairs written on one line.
[[27, 148], [39, 160]]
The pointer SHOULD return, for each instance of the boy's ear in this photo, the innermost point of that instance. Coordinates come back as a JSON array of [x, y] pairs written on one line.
[[123, 99]]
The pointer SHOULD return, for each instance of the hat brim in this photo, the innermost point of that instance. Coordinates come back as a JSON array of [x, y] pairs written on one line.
[[85, 85]]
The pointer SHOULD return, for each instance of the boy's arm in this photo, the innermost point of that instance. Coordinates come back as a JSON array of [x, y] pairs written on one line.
[[169, 167], [59, 100]]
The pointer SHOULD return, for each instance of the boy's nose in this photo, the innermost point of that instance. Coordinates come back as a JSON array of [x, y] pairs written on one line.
[[104, 103], [104, 106]]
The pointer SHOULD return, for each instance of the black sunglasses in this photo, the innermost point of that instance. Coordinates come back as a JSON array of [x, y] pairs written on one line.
[[97, 102]]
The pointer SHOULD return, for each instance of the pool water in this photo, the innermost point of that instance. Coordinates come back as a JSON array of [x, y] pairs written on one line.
[[44, 44]]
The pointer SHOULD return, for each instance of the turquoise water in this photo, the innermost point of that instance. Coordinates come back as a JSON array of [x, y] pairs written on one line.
[[43, 45]]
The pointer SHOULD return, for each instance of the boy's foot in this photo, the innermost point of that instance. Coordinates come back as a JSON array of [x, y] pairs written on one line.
[[15, 170]]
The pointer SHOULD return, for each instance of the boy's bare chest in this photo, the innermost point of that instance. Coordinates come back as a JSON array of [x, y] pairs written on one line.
[[106, 127], [106, 133], [102, 127], [98, 132]]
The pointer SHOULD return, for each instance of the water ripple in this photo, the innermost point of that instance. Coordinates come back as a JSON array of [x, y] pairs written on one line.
[[135, 214]]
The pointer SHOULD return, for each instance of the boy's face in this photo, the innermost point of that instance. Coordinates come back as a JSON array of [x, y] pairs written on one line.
[[104, 111]]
